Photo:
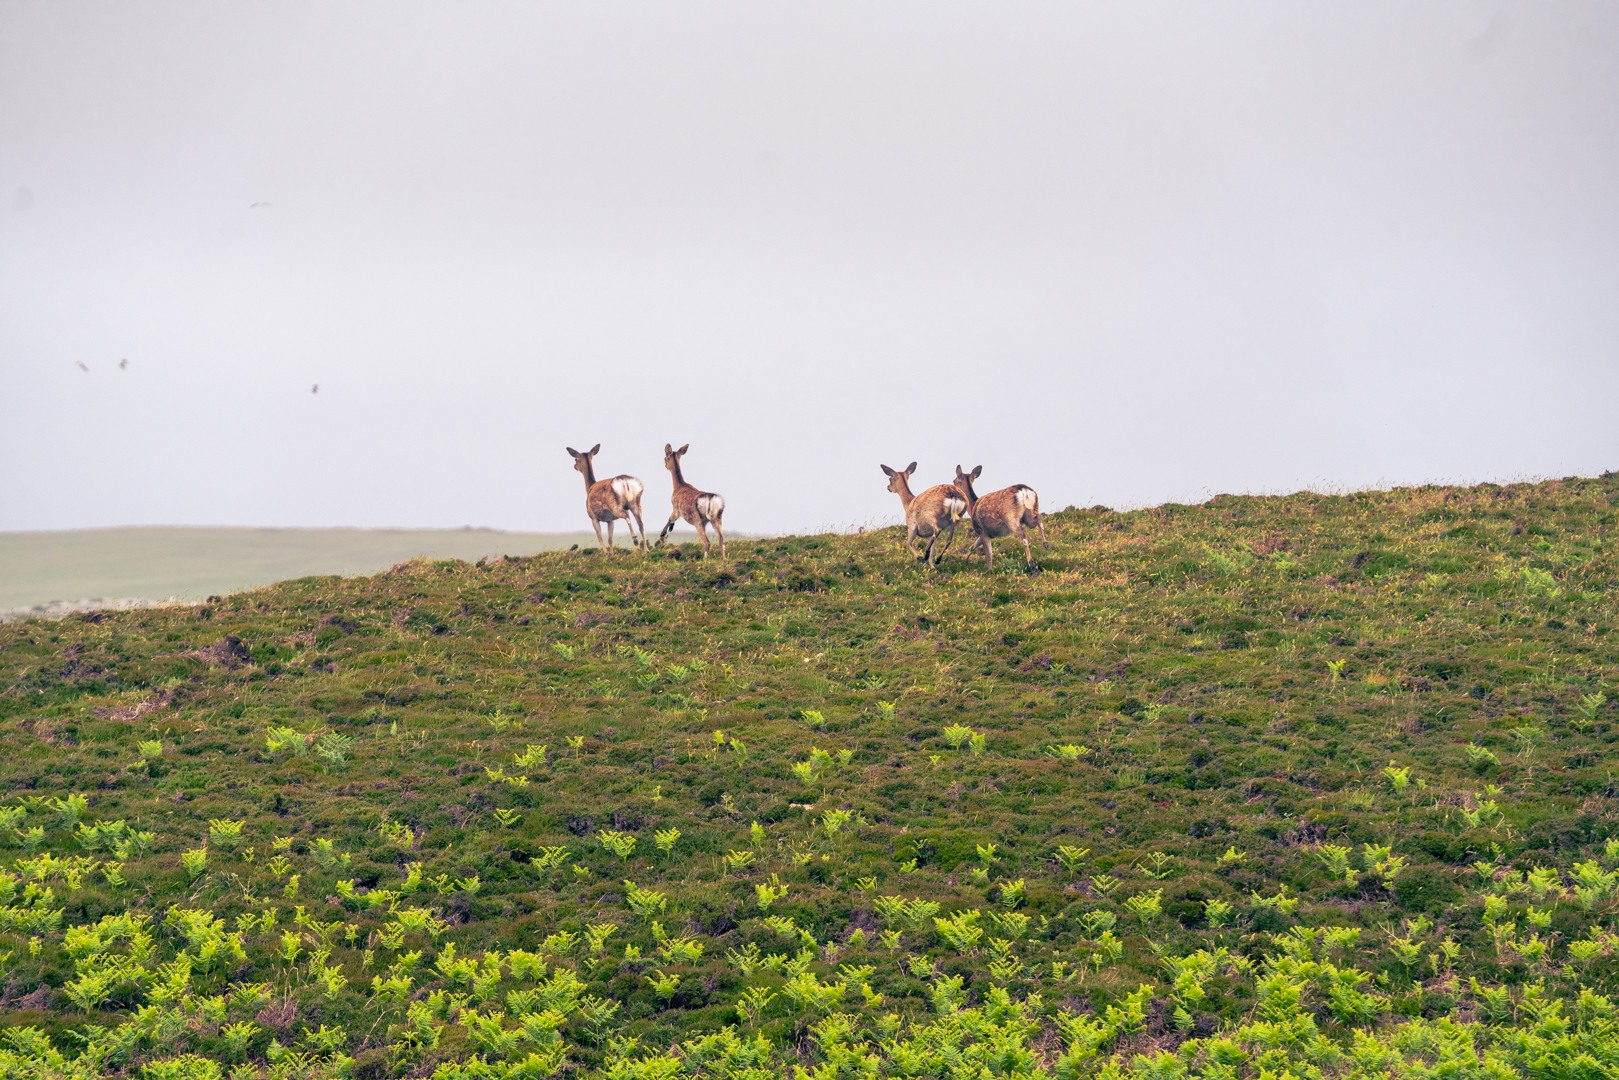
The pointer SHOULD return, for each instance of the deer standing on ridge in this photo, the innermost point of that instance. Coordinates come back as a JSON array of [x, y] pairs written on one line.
[[1002, 513], [700, 508], [927, 515], [609, 500]]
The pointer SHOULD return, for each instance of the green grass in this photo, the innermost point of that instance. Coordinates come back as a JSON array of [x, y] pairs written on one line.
[[1269, 784]]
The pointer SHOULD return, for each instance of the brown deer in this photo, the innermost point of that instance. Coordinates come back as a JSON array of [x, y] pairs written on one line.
[[1002, 513], [700, 508], [609, 500], [934, 511]]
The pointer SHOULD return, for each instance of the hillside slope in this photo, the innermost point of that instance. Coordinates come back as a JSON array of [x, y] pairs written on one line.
[[1327, 777]]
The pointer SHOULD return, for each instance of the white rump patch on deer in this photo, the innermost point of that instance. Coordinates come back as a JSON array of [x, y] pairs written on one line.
[[956, 506], [710, 506], [1027, 499], [627, 488]]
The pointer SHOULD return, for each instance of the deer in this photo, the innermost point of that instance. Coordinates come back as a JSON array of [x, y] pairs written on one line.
[[609, 500], [1002, 513], [700, 508], [934, 511]]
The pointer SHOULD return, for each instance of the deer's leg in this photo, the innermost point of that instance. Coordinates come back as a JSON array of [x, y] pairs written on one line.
[[1040, 523], [948, 540], [989, 550], [1023, 535], [636, 510], [702, 530], [719, 533], [668, 528], [610, 523], [910, 541]]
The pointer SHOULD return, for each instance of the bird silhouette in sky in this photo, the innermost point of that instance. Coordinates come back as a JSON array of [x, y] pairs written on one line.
[[315, 389], [80, 365], [123, 364]]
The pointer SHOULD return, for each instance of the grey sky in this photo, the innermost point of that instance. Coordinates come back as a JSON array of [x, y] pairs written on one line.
[[1123, 253]]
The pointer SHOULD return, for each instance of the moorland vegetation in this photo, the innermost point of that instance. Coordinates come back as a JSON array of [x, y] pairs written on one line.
[[1315, 785]]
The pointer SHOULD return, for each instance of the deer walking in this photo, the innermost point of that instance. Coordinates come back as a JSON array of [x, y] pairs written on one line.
[[609, 500], [700, 508], [1002, 513], [927, 515]]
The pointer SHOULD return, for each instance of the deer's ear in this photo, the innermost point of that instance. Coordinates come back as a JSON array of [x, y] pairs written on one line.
[[959, 472], [910, 470], [886, 470], [667, 449], [977, 469], [593, 450], [683, 449], [572, 451]]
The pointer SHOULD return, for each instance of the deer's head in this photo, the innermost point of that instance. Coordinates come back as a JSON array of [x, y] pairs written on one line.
[[671, 456], [581, 462], [964, 481], [896, 480]]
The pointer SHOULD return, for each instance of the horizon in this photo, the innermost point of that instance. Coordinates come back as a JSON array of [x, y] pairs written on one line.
[[887, 521]]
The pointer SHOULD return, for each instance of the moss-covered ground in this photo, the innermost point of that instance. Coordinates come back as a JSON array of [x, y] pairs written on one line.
[[1308, 785]]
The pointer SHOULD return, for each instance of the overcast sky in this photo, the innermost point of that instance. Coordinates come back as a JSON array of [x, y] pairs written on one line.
[[1125, 253]]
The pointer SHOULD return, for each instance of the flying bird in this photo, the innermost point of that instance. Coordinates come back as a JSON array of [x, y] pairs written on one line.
[[123, 364], [80, 365], [315, 389]]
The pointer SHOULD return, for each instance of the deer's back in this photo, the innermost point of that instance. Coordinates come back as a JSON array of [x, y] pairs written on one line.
[[1001, 512], [684, 498], [694, 504], [613, 496], [937, 506]]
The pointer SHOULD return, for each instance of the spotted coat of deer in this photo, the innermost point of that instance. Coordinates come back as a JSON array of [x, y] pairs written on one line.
[[611, 499], [699, 508], [929, 514], [1006, 512]]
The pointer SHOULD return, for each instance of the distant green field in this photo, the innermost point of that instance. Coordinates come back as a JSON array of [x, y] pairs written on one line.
[[157, 562]]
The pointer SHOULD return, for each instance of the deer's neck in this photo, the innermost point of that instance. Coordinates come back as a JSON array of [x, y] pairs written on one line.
[[590, 476], [968, 494], [905, 495], [674, 471]]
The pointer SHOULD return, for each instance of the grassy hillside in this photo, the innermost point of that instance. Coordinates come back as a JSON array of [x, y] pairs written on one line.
[[156, 562], [1287, 786]]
